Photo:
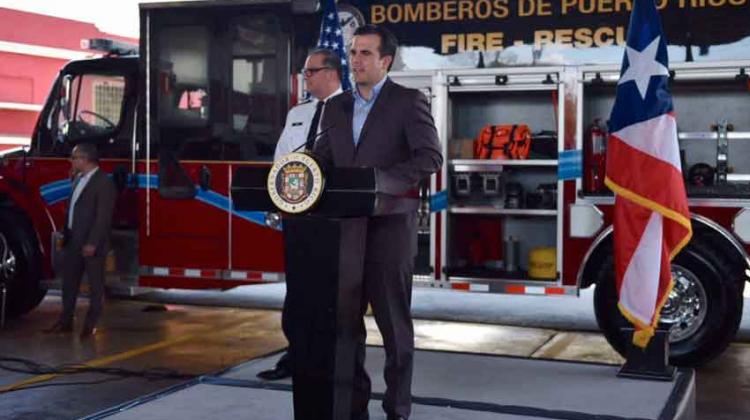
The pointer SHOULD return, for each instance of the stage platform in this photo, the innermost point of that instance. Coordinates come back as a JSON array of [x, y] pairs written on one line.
[[446, 386]]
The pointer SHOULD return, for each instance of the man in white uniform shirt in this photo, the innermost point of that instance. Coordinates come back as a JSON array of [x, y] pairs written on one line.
[[322, 74]]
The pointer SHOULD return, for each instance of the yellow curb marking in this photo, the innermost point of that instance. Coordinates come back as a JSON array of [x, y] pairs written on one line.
[[556, 346], [120, 356]]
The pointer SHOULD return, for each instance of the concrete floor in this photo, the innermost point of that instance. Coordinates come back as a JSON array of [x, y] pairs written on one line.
[[200, 340]]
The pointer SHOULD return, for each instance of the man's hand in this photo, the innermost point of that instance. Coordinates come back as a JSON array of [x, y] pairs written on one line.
[[89, 250]]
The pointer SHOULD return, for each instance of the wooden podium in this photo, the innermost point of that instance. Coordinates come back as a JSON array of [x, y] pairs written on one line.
[[324, 249]]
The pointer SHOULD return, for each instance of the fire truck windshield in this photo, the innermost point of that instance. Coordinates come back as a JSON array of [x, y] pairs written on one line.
[[88, 105]]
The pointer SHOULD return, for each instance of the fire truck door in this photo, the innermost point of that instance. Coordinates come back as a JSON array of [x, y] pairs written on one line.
[[260, 80], [93, 102], [187, 215], [184, 186], [221, 91]]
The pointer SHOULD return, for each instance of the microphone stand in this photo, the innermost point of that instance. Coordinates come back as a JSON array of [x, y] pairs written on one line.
[[317, 136]]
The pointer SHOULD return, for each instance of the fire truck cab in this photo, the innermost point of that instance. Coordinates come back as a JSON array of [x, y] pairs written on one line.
[[208, 93]]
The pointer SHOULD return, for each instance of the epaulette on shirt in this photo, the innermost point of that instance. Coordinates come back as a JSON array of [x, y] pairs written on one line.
[[305, 102]]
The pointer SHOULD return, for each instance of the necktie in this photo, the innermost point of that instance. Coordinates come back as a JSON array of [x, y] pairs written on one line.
[[72, 200], [313, 131]]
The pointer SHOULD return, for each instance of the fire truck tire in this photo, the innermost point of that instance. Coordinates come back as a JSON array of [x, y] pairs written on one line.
[[21, 267], [704, 309]]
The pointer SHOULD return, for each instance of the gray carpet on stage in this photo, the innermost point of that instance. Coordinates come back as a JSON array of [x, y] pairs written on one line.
[[211, 401], [449, 386]]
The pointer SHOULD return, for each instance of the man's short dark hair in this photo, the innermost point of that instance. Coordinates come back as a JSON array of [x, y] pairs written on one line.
[[388, 41], [330, 59], [88, 151]]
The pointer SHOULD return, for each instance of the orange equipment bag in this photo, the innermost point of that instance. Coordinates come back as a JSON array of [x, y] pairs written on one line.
[[503, 142]]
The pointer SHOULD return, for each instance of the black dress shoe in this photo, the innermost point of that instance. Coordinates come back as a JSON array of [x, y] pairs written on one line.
[[87, 332], [393, 417], [278, 372], [60, 328]]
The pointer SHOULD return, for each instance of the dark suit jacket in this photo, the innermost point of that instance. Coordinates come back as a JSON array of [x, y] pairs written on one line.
[[92, 216], [399, 140]]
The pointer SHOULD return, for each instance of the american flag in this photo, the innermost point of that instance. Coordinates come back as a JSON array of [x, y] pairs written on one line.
[[651, 219], [332, 37]]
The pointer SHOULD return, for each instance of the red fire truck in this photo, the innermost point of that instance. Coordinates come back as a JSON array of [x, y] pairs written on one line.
[[209, 89]]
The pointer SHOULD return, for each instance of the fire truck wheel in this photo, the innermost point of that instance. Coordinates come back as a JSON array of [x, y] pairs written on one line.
[[704, 308], [20, 264]]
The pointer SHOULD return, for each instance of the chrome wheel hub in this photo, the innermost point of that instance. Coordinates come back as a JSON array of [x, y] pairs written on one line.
[[686, 307], [7, 261]]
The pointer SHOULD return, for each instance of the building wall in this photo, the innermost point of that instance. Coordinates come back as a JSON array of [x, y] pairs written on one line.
[[33, 48]]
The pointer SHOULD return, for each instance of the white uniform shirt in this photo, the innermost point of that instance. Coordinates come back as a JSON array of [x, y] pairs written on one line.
[[77, 193], [297, 125]]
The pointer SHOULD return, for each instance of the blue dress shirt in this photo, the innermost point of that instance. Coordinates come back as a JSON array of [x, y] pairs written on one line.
[[362, 108]]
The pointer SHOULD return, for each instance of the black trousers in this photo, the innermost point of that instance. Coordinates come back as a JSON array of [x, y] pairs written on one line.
[[387, 287], [285, 360], [74, 266]]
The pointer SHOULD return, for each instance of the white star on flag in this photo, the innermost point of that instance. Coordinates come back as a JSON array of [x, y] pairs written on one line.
[[331, 37], [642, 65]]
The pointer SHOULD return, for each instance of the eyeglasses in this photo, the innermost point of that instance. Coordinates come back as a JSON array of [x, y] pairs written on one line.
[[309, 72]]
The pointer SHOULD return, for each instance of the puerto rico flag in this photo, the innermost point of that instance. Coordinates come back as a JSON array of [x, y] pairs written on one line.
[[651, 218], [332, 37]]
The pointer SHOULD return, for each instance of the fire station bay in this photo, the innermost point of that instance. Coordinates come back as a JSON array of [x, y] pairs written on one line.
[[375, 209]]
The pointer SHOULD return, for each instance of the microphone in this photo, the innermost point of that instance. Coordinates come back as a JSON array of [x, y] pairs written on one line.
[[317, 136]]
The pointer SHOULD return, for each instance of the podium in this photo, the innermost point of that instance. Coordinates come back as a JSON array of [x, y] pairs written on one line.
[[324, 250]]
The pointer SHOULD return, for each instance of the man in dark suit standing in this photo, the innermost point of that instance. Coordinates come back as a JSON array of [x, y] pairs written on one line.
[[87, 228], [322, 74], [386, 126]]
